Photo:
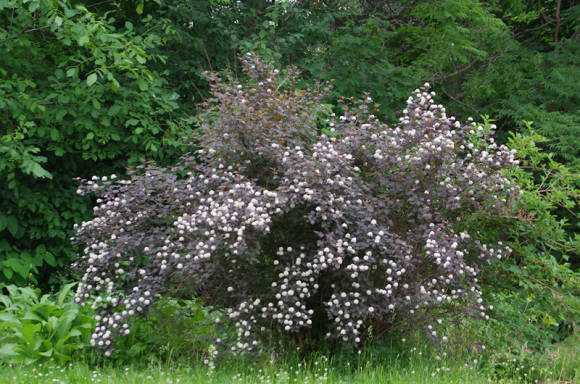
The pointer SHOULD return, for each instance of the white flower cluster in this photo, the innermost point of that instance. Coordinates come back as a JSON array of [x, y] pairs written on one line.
[[340, 234]]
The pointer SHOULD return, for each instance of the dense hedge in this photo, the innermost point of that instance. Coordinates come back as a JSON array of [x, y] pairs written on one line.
[[76, 97]]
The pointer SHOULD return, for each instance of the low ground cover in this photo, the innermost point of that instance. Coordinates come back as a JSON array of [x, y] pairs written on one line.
[[377, 365]]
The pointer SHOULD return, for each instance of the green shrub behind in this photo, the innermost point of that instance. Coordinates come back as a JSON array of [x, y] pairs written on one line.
[[534, 293], [77, 97], [172, 328]]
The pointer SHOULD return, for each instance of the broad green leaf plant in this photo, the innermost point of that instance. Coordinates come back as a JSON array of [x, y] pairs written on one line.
[[36, 327]]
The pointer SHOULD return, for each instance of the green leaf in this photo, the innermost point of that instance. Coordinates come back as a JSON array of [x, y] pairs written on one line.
[[47, 353], [131, 122], [31, 167], [17, 265], [83, 40], [49, 258], [91, 79], [64, 292], [30, 333], [74, 333], [10, 223], [8, 350], [8, 273], [8, 318], [54, 135], [58, 21], [142, 84]]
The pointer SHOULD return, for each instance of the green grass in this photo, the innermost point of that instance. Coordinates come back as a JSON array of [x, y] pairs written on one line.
[[376, 366], [168, 373], [389, 363]]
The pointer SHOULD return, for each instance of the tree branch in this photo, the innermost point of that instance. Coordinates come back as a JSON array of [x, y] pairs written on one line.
[[557, 32]]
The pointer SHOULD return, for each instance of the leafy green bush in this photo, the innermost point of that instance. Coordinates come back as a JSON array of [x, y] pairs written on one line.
[[534, 293], [173, 327], [538, 284], [35, 327], [77, 94]]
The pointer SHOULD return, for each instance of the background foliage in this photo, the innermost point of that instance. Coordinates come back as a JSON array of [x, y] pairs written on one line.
[[77, 97], [89, 87]]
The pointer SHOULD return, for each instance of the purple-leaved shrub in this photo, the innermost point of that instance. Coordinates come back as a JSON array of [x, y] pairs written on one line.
[[286, 228]]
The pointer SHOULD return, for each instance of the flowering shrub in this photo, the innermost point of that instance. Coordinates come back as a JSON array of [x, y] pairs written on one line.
[[287, 225]]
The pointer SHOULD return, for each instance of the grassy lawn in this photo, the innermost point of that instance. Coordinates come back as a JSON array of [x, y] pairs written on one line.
[[164, 373], [372, 367]]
